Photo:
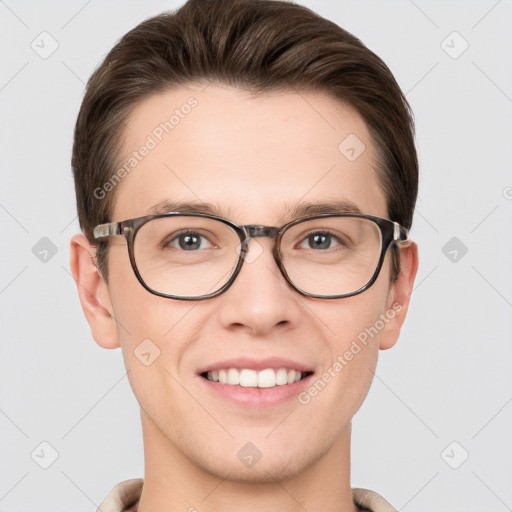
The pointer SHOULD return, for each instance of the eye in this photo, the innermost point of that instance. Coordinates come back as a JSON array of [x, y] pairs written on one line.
[[187, 241], [322, 240]]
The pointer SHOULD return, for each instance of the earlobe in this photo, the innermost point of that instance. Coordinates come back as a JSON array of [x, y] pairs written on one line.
[[399, 296], [93, 293]]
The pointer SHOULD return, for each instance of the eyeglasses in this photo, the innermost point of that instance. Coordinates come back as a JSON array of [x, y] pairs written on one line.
[[196, 256]]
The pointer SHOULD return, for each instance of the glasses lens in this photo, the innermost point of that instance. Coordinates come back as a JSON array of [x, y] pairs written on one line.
[[331, 255], [186, 256]]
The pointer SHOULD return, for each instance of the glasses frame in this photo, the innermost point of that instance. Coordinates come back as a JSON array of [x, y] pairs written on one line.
[[392, 234]]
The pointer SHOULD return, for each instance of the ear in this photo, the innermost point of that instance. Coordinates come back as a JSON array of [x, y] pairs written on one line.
[[93, 293], [399, 295]]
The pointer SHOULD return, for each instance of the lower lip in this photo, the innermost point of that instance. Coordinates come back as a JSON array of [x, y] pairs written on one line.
[[257, 397]]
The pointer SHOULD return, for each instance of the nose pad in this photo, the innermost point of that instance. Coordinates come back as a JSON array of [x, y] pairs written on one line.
[[252, 232], [250, 252]]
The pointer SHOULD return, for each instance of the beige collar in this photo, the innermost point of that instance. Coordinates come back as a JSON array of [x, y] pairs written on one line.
[[124, 497]]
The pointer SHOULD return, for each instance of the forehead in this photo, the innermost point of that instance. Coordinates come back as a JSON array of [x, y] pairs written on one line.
[[253, 157]]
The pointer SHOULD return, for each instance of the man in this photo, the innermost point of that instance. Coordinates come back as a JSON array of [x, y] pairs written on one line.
[[245, 175]]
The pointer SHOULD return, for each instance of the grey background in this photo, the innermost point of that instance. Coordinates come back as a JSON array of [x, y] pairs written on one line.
[[447, 380]]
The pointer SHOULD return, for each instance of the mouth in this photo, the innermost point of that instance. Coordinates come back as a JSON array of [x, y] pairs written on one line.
[[250, 378], [255, 383]]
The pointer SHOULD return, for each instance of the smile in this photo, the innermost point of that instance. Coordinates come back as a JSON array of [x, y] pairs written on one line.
[[248, 378]]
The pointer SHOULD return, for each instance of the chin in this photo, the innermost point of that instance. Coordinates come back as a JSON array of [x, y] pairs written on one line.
[[267, 469]]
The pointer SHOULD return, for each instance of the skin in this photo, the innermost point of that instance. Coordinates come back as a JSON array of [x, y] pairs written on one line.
[[251, 170]]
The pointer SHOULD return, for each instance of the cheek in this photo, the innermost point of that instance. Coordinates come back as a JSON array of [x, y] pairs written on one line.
[[353, 319], [153, 332], [146, 323], [351, 344]]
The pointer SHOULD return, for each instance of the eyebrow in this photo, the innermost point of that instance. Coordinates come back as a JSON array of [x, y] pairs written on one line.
[[313, 208], [294, 211], [187, 207]]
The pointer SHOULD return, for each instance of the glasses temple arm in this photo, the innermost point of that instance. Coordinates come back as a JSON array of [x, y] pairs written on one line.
[[400, 234], [105, 230]]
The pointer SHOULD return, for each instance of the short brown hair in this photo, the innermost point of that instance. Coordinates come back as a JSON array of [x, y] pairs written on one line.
[[255, 45]]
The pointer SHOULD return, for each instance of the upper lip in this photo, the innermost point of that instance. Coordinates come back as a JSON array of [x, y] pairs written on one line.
[[255, 364]]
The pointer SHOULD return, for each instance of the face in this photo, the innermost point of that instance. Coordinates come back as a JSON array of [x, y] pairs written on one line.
[[253, 158]]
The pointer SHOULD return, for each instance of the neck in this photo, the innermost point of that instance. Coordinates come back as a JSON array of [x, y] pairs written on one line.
[[172, 482]]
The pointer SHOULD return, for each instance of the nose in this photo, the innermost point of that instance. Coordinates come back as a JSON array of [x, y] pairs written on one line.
[[259, 299]]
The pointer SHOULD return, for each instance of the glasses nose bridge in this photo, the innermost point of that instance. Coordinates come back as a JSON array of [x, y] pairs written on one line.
[[258, 231]]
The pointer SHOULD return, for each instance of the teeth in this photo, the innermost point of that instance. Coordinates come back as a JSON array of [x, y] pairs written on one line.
[[233, 377], [267, 378], [247, 378], [281, 376]]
